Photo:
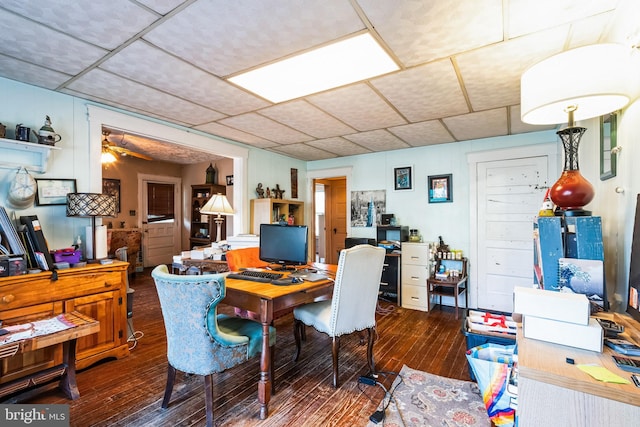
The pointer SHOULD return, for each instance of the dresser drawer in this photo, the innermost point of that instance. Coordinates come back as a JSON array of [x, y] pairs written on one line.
[[414, 297], [415, 275], [415, 253]]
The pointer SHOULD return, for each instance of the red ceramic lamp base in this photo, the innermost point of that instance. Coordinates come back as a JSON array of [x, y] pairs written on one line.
[[572, 191]]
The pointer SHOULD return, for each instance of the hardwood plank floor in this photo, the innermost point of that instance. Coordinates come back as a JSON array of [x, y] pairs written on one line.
[[128, 392]]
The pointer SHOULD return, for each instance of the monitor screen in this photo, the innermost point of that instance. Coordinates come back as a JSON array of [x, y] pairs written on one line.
[[284, 244]]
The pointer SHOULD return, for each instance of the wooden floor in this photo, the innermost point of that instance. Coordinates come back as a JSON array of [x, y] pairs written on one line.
[[128, 392]]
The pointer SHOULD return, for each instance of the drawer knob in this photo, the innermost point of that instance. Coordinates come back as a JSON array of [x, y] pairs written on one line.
[[7, 299]]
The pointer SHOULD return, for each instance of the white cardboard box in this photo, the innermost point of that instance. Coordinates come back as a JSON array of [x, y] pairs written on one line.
[[573, 335], [566, 307], [197, 254]]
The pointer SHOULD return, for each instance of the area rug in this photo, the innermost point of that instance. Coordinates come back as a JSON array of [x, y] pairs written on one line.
[[421, 399]]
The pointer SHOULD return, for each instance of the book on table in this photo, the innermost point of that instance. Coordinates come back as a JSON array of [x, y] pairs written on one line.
[[622, 346]]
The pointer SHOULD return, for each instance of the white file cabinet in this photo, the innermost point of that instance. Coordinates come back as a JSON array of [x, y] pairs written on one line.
[[417, 262]]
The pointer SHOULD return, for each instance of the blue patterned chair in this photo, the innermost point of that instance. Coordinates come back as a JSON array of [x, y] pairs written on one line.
[[200, 341], [353, 304]]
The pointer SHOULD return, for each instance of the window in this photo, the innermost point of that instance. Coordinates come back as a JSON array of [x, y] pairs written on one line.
[[160, 201]]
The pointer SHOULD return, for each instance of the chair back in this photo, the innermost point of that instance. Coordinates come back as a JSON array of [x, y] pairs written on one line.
[[355, 292], [244, 258], [185, 302]]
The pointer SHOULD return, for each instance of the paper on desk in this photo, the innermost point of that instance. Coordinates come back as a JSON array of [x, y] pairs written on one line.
[[601, 373]]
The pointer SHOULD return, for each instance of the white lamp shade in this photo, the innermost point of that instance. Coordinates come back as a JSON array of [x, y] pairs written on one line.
[[595, 79], [217, 205]]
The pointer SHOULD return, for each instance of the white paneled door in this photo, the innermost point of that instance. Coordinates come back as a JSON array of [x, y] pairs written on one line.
[[509, 193]]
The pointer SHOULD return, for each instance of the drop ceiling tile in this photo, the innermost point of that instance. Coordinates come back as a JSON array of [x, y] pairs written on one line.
[[162, 6], [117, 89], [122, 106], [525, 16], [235, 135], [377, 140], [424, 93], [420, 31], [492, 74], [306, 118], [339, 146], [104, 24], [590, 30], [303, 152], [265, 128], [149, 65], [518, 126], [423, 133], [41, 45], [478, 125], [348, 103], [225, 37], [32, 74]]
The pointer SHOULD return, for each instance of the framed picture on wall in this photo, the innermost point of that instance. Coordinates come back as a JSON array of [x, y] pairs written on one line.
[[54, 191], [403, 178], [440, 190], [112, 188]]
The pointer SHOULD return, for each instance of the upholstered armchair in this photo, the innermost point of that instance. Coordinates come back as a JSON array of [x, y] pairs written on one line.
[[200, 341], [245, 258], [353, 304]]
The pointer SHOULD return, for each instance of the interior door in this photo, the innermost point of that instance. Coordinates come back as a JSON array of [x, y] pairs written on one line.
[[510, 193], [335, 217], [161, 239]]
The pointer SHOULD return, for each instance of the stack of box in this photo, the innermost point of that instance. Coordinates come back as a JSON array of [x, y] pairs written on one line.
[[557, 317]]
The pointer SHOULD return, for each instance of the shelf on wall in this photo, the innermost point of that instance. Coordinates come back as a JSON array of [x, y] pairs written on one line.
[[34, 157]]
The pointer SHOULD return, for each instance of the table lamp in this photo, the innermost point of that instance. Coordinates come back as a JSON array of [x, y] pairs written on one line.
[[217, 205], [577, 84], [91, 205]]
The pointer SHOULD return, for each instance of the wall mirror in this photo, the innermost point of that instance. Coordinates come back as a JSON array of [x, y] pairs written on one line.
[[608, 145]]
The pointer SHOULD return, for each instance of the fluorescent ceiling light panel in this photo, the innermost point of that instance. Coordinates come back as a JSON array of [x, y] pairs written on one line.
[[351, 60]]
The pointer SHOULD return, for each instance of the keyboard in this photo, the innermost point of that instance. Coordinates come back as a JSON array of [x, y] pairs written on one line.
[[256, 276]]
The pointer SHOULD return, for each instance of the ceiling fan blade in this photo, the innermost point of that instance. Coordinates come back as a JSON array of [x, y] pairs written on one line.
[[126, 152]]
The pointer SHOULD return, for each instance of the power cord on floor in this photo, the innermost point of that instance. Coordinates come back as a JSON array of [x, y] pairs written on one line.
[[372, 379], [135, 336]]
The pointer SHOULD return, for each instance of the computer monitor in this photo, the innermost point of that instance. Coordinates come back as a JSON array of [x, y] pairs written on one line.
[[285, 245]]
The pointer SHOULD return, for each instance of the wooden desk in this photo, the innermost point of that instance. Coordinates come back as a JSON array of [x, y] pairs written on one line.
[[83, 326], [552, 392], [266, 299], [202, 265]]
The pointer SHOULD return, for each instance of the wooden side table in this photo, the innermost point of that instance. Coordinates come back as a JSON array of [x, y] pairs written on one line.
[[453, 286]]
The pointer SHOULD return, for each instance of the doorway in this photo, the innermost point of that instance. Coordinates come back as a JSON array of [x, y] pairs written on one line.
[[160, 217], [330, 209], [507, 188]]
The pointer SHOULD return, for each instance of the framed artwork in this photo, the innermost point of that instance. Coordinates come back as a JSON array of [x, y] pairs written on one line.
[[229, 179], [440, 190], [112, 188], [54, 191], [608, 145], [403, 178]]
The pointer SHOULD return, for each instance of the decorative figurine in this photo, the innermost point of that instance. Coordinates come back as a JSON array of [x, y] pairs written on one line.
[[277, 192], [260, 191], [211, 175], [46, 135], [268, 193]]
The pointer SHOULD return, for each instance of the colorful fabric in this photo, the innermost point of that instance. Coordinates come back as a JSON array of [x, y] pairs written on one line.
[[491, 365]]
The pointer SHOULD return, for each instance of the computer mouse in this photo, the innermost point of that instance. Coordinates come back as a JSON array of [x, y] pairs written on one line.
[[297, 280]]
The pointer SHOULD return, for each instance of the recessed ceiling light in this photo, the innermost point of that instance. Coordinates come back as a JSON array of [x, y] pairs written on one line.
[[347, 61]]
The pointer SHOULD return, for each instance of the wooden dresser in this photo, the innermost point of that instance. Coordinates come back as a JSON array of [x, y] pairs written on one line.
[[98, 291]]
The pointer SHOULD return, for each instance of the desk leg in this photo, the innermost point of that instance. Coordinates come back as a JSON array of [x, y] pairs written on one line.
[[264, 386], [68, 380]]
